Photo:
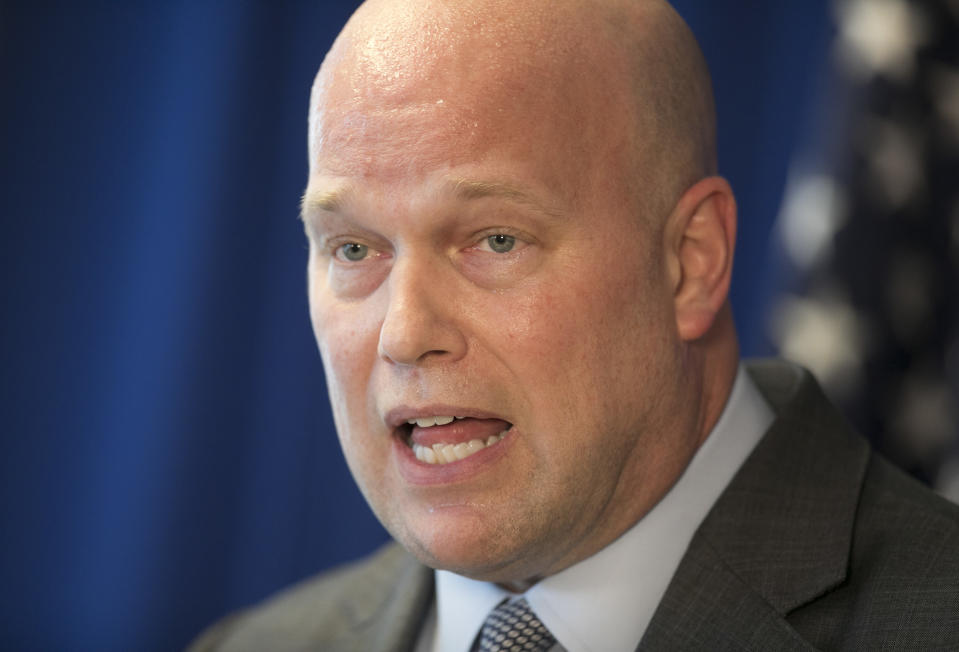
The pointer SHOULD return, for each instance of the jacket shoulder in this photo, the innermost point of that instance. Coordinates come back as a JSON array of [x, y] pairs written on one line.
[[907, 535], [326, 608], [902, 586], [893, 548]]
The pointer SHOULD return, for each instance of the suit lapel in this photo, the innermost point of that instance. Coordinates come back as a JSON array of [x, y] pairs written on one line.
[[708, 607], [778, 537]]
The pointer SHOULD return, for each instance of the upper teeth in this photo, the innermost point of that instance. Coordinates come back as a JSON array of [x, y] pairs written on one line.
[[427, 422]]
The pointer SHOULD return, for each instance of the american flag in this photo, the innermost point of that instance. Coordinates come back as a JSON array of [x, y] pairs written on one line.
[[869, 230]]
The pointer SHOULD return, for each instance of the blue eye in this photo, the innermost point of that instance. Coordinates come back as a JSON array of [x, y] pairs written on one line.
[[354, 252], [501, 243]]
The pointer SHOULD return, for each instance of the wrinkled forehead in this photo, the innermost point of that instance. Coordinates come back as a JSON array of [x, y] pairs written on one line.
[[424, 83]]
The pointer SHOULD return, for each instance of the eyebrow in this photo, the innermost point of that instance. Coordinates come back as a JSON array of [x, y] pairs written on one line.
[[468, 189], [327, 200]]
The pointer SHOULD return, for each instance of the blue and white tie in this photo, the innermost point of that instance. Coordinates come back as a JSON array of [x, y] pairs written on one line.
[[513, 627]]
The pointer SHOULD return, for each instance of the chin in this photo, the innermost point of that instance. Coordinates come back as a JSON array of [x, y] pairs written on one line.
[[490, 555]]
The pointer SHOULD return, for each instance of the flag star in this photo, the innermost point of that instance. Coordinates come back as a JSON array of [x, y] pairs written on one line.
[[879, 37], [825, 334], [813, 211]]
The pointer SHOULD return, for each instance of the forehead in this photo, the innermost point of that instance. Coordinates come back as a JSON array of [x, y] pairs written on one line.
[[394, 44], [410, 88]]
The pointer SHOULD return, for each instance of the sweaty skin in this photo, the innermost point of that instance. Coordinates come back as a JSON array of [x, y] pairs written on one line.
[[512, 218]]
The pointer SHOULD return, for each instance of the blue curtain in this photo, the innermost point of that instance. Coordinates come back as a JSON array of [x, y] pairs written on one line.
[[167, 450]]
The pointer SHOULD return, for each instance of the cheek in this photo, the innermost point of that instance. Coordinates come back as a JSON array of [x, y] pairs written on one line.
[[546, 341], [347, 337], [349, 352], [577, 319], [579, 344]]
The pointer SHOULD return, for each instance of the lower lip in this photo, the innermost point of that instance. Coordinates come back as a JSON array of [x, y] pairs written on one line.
[[418, 472]]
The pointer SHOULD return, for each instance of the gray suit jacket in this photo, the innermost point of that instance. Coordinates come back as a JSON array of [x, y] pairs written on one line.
[[816, 544]]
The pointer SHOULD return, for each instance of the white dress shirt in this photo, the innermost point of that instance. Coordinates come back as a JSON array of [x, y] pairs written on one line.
[[605, 602]]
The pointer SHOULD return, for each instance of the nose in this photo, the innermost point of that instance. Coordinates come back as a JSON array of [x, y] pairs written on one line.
[[420, 323]]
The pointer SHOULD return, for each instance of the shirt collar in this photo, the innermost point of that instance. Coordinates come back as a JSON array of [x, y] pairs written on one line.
[[606, 601]]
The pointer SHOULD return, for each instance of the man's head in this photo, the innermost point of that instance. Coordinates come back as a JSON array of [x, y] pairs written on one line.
[[512, 219]]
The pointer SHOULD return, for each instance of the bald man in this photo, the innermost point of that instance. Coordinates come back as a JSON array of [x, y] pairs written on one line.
[[520, 256]]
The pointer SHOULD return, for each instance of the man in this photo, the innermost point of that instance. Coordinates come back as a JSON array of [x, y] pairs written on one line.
[[519, 263]]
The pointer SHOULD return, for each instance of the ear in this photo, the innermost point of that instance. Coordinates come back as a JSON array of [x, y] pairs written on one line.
[[700, 239]]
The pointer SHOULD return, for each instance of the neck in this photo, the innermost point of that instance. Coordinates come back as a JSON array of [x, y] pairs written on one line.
[[718, 353]]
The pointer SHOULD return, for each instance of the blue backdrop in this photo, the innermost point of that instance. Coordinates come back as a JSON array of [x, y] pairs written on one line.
[[167, 451]]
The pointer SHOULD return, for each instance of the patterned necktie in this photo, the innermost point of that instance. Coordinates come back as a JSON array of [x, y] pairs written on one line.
[[513, 627]]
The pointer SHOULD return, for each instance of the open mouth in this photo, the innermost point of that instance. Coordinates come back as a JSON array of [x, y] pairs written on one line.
[[447, 439]]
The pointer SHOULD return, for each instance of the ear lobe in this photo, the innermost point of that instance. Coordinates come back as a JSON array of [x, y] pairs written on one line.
[[701, 238]]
